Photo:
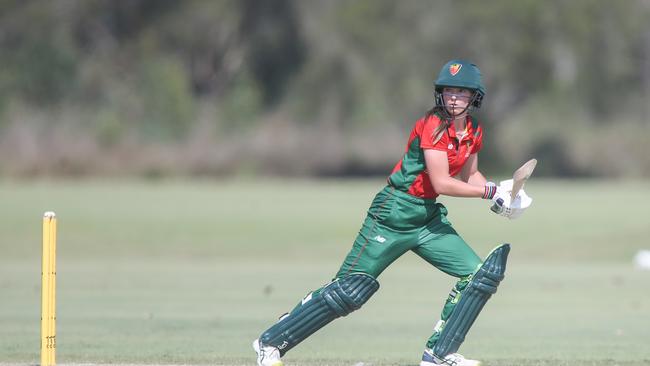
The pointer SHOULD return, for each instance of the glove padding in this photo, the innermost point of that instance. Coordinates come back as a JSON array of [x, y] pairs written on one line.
[[502, 205]]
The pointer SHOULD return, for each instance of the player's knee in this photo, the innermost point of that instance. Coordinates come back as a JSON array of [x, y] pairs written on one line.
[[491, 273], [349, 293], [489, 282]]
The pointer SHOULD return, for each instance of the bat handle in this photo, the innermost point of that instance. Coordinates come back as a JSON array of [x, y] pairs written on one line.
[[497, 207]]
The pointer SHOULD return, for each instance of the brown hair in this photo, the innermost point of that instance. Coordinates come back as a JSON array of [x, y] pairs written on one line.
[[442, 127]]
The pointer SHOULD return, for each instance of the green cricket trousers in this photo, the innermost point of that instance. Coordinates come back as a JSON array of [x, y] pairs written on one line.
[[397, 223]]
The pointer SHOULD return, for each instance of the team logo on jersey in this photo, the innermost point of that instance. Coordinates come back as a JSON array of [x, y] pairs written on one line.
[[454, 69]]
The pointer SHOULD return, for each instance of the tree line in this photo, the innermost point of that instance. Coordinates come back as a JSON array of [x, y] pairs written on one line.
[[318, 88]]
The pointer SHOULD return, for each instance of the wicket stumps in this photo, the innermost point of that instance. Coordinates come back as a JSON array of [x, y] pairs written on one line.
[[48, 291]]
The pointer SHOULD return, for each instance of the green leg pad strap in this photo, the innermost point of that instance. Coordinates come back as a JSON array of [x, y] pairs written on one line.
[[484, 283], [339, 298]]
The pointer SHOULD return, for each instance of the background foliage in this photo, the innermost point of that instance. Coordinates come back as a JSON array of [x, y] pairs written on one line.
[[288, 87]]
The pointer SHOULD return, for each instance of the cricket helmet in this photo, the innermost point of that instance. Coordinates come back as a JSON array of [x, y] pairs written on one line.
[[460, 74]]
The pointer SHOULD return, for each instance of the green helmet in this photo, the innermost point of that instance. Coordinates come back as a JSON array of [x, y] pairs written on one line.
[[460, 74]]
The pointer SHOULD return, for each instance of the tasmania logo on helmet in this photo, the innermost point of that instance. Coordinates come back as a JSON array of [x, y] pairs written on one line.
[[454, 69]]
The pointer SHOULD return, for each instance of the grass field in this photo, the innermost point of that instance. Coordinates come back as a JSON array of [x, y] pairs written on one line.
[[191, 272]]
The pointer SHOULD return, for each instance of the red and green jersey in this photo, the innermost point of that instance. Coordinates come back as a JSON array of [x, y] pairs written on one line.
[[410, 174]]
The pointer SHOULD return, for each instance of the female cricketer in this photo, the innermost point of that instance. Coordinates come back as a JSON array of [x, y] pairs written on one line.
[[441, 158]]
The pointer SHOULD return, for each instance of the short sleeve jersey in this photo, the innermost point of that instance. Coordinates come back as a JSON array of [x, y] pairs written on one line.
[[410, 174]]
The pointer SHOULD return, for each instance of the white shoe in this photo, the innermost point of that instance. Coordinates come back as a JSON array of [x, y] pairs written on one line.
[[267, 355], [453, 359]]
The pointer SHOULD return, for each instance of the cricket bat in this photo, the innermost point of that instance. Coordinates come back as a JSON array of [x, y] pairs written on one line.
[[520, 177]]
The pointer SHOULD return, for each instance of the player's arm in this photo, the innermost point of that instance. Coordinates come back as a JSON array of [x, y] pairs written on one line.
[[470, 173], [438, 169]]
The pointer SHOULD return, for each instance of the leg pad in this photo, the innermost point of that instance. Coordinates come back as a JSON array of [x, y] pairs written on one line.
[[484, 283], [339, 298]]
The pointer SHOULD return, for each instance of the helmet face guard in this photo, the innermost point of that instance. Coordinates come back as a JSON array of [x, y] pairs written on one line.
[[474, 103], [460, 74]]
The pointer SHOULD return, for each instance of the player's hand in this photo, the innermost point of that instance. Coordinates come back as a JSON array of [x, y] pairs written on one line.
[[502, 205], [497, 194]]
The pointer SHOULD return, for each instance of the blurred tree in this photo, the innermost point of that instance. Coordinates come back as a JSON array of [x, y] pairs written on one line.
[[167, 103], [350, 76], [39, 61], [275, 49]]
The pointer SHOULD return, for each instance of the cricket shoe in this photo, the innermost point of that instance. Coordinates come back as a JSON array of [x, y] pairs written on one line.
[[452, 359], [267, 355]]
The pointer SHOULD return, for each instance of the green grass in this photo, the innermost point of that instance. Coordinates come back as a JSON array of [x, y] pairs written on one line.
[[191, 272]]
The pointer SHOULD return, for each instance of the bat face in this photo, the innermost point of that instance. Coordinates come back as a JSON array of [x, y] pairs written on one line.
[[520, 177]]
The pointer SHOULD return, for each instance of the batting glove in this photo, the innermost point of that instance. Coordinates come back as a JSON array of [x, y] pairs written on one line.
[[502, 205]]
